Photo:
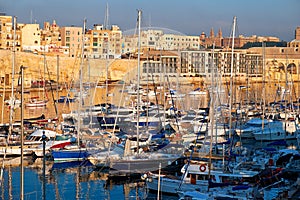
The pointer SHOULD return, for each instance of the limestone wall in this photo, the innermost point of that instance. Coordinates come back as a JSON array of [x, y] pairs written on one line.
[[93, 69]]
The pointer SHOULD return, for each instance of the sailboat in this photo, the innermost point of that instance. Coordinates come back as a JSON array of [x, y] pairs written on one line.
[[76, 151], [134, 155], [34, 102], [209, 173]]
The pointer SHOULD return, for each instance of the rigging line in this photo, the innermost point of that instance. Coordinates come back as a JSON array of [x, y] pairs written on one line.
[[186, 169], [52, 93], [71, 83], [3, 95], [119, 105], [218, 96], [173, 104], [156, 98]]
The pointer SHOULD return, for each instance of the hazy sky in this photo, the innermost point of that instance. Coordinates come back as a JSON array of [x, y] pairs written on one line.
[[191, 17]]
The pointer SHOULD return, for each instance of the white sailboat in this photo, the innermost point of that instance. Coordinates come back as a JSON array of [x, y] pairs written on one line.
[[278, 130], [209, 168], [74, 152], [134, 155]]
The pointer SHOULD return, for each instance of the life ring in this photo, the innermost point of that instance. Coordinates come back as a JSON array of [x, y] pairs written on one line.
[[202, 168]]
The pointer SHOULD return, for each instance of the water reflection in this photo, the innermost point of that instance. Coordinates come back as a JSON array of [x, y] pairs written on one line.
[[73, 180], [96, 95], [80, 180]]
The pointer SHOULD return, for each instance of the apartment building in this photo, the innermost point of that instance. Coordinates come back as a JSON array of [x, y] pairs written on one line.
[[173, 42], [149, 39], [50, 34], [155, 63], [200, 63], [194, 63], [104, 43], [157, 39], [8, 35], [72, 38], [31, 37]]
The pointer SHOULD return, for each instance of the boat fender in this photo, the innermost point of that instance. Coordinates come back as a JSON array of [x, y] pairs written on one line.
[[202, 168], [144, 176]]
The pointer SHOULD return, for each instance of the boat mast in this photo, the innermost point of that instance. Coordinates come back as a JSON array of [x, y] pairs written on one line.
[[44, 77], [263, 89], [231, 78], [212, 109], [138, 78], [285, 97], [12, 99], [80, 83], [22, 135], [107, 57], [57, 82]]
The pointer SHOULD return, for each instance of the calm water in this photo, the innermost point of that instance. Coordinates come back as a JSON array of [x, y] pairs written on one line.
[[63, 182], [119, 98], [94, 96]]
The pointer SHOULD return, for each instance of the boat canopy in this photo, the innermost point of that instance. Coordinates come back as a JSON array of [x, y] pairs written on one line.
[[40, 132]]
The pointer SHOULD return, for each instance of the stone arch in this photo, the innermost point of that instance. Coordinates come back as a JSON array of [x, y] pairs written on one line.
[[273, 65]]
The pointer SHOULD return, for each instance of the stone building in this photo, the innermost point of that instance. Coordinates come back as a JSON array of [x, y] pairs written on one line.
[[31, 37], [241, 40], [8, 35], [282, 62], [296, 42], [51, 40], [212, 39], [104, 43], [201, 63], [72, 38], [159, 40]]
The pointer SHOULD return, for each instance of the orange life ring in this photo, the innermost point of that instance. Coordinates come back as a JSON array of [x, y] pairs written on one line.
[[202, 168]]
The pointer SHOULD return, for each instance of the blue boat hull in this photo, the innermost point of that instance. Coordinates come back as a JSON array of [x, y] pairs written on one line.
[[69, 155]]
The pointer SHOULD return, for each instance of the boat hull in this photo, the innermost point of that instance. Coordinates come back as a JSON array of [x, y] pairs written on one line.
[[141, 165], [69, 155]]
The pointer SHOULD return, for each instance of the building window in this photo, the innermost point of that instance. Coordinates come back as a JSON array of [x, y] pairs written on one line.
[[67, 32]]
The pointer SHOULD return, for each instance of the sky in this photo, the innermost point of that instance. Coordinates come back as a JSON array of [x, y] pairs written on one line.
[[277, 18]]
